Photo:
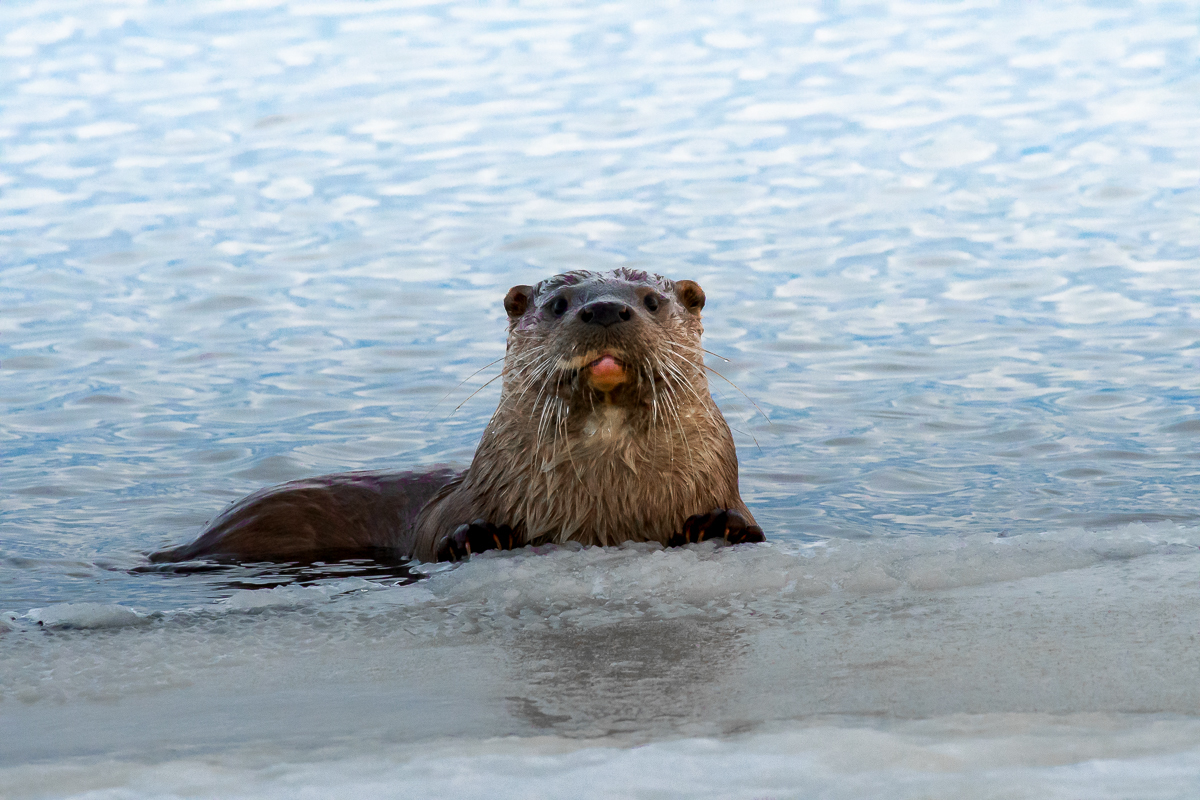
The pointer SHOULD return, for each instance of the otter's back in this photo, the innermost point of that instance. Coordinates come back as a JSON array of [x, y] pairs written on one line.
[[332, 513]]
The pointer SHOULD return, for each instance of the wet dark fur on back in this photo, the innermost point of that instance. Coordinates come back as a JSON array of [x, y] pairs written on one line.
[[605, 433], [326, 518]]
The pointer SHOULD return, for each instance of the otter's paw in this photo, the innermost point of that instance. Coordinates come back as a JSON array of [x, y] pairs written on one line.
[[720, 523], [475, 538]]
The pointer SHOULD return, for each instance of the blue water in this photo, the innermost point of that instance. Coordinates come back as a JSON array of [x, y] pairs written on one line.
[[949, 249], [950, 252]]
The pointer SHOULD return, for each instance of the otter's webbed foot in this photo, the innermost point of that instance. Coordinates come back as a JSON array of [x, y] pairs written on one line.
[[720, 523], [476, 537]]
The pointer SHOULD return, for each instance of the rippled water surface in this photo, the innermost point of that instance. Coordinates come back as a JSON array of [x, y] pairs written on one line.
[[950, 251]]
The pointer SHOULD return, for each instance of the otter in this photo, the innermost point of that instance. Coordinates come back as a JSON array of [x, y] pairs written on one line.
[[605, 433]]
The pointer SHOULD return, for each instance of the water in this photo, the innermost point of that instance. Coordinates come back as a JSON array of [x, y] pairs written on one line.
[[949, 251]]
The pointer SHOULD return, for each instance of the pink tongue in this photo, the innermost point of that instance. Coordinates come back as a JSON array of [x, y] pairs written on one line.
[[607, 367]]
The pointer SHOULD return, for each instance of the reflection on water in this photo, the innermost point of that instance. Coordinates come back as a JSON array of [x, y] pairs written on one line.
[[378, 565], [636, 677], [949, 250]]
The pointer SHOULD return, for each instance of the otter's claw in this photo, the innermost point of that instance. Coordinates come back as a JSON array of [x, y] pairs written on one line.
[[475, 538], [720, 523]]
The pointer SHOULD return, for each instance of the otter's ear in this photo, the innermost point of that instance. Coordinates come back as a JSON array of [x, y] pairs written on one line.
[[517, 300], [691, 295]]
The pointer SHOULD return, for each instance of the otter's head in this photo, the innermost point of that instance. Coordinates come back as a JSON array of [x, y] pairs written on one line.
[[624, 337]]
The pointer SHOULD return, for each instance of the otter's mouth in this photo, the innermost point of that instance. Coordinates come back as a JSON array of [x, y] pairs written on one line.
[[602, 370], [606, 373]]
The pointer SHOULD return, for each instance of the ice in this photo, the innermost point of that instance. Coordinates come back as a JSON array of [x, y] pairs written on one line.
[[589, 586], [999, 756], [922, 663], [67, 616], [949, 250]]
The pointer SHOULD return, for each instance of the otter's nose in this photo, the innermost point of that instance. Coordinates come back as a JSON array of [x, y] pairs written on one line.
[[605, 312]]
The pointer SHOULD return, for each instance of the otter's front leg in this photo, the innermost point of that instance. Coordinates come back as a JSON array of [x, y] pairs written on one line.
[[475, 537], [720, 523]]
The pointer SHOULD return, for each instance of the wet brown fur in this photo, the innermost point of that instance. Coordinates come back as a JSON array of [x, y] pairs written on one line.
[[559, 461]]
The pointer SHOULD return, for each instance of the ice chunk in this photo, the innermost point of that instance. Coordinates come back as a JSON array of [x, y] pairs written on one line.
[[67, 616]]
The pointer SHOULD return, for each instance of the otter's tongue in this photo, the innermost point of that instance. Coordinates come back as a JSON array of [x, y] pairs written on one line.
[[606, 373]]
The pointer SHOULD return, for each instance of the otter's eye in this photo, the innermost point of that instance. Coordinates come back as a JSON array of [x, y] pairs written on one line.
[[651, 302], [559, 306]]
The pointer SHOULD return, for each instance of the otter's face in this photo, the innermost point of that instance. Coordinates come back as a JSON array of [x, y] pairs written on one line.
[[621, 337]]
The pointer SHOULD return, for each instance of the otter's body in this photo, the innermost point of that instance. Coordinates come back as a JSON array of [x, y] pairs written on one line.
[[319, 519], [605, 433]]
